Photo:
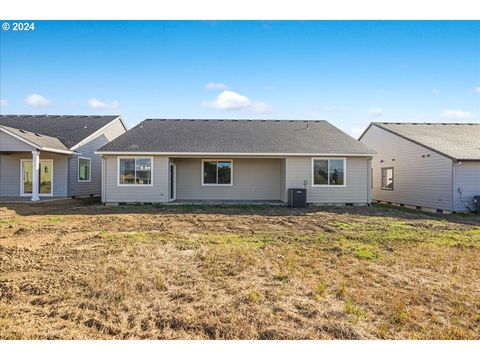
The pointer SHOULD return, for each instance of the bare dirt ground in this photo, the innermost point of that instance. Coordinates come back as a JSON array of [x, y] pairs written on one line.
[[77, 270]]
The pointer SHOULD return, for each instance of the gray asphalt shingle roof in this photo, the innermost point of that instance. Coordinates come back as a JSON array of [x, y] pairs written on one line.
[[236, 136], [457, 141], [69, 129], [42, 141]]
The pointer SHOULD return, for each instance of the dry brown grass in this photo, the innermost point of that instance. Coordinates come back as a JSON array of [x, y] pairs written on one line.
[[77, 270]]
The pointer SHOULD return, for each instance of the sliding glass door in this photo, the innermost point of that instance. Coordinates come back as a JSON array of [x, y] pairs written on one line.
[[45, 177]]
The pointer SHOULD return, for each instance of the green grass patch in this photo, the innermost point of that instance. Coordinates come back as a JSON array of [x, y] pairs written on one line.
[[366, 252], [254, 297], [342, 225], [55, 219]]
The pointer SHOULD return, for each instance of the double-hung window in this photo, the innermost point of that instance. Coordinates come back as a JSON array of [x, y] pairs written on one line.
[[84, 169], [217, 172], [387, 178], [135, 171], [328, 172]]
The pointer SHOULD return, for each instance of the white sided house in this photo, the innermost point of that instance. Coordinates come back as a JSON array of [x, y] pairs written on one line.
[[189, 161], [45, 157], [426, 165]]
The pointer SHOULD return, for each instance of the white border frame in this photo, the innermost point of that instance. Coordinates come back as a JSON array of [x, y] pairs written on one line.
[[89, 169], [217, 160], [23, 194], [134, 157], [328, 173]]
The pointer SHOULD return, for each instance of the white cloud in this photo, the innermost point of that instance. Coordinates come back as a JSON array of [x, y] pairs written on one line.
[[457, 115], [435, 91], [98, 104], [375, 112], [477, 89], [3, 102], [230, 100], [216, 86], [356, 132], [37, 100]]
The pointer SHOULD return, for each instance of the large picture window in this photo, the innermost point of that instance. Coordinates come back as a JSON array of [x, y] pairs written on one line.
[[217, 172], [328, 172], [387, 178], [135, 171], [84, 169]]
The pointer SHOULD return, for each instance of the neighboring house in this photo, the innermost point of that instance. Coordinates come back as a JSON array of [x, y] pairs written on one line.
[[429, 165], [238, 160], [60, 147]]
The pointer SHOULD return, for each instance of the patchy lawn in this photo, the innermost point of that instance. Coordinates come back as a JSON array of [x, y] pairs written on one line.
[[77, 270]]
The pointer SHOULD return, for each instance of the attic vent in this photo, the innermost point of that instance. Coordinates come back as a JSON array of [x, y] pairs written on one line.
[[23, 131], [38, 135]]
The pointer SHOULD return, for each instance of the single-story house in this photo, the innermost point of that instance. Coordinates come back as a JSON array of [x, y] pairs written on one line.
[[52, 156], [426, 165], [160, 161]]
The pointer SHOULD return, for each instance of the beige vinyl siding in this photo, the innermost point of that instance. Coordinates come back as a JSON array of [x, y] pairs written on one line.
[[9, 143], [421, 177], [77, 188], [299, 172], [10, 176], [253, 179], [158, 192], [467, 177]]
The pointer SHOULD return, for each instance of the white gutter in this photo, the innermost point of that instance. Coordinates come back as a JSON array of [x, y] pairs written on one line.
[[222, 153]]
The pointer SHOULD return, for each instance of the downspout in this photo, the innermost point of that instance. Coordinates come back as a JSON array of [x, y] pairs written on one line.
[[369, 182], [68, 176], [103, 195], [453, 185]]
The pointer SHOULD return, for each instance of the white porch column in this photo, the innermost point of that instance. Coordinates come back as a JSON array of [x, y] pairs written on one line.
[[35, 174]]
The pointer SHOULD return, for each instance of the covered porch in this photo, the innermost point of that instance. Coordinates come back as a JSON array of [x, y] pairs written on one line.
[[221, 180], [32, 171]]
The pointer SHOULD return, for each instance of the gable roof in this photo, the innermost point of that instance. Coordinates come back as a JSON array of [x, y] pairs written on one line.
[[459, 141], [172, 136], [39, 141], [69, 129]]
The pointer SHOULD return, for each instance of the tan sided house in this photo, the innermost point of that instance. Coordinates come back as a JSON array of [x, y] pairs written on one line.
[[52, 156], [427, 165], [161, 161]]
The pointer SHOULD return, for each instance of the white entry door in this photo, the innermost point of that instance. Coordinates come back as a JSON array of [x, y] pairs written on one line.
[[45, 178]]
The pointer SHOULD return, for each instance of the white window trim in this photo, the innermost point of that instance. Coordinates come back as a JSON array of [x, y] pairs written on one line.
[[89, 169], [135, 157], [328, 172], [218, 160], [381, 178], [21, 178]]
